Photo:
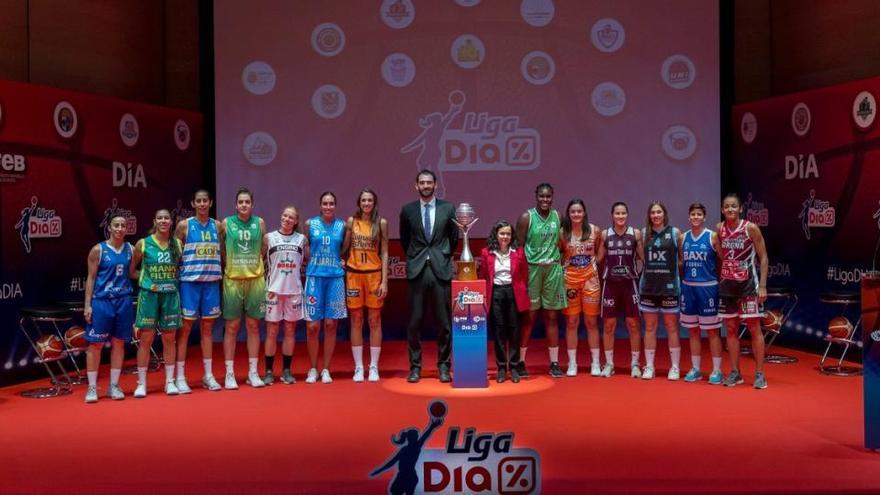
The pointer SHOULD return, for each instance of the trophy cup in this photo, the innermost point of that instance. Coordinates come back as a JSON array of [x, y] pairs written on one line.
[[465, 219]]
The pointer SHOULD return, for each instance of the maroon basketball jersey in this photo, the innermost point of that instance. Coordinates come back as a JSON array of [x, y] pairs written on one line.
[[739, 276], [620, 260]]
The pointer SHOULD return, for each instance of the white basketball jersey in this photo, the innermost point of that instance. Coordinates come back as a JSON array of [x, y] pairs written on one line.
[[285, 260]]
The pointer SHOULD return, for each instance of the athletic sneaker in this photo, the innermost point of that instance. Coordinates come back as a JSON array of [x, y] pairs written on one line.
[[607, 371], [325, 376], [760, 380], [715, 378], [210, 383], [230, 384], [287, 377], [674, 373], [595, 369], [555, 370], [312, 376], [523, 372], [115, 393], [733, 378], [269, 378], [254, 380], [647, 373], [694, 375], [635, 372], [140, 391], [358, 374], [374, 374], [182, 386], [572, 369], [92, 394], [171, 388]]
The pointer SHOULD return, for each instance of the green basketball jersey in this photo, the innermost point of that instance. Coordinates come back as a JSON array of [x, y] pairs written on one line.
[[159, 267], [542, 238], [243, 244]]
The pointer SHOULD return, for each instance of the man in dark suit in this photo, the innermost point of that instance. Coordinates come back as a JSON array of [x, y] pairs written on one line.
[[428, 235]]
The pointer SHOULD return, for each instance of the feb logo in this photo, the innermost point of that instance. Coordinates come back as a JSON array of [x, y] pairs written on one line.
[[470, 462], [756, 212], [37, 222], [114, 211], [816, 213]]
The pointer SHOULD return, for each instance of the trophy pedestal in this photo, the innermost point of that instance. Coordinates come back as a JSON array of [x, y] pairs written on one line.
[[467, 270], [469, 308]]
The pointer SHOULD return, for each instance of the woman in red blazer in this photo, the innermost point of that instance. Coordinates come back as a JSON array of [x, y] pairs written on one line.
[[506, 272]]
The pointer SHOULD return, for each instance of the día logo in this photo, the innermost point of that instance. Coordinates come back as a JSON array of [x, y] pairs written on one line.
[[116, 211], [37, 222], [816, 213], [482, 142], [468, 297], [756, 212], [396, 267], [801, 167], [129, 175], [471, 462]]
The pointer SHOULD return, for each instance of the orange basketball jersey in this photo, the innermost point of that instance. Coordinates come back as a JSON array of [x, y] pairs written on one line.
[[364, 253]]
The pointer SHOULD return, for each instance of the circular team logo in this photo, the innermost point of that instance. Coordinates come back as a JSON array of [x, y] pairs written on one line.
[[328, 101], [65, 120], [398, 70], [328, 39], [537, 13], [397, 14], [748, 127], [607, 35], [678, 72], [801, 119], [259, 148], [864, 110], [608, 98], [679, 142], [182, 135], [258, 77], [129, 130], [468, 51], [537, 68], [467, 3]]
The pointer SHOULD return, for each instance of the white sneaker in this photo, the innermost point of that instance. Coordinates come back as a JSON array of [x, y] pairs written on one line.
[[572, 369], [141, 391], [210, 383], [595, 369], [648, 373], [312, 376], [358, 375], [607, 371], [230, 383], [254, 380], [115, 393], [325, 376], [182, 386], [171, 388], [374, 374], [92, 395], [674, 373], [635, 372]]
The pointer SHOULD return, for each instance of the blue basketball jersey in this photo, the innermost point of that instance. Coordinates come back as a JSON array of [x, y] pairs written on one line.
[[699, 259], [201, 252], [112, 280], [325, 243]]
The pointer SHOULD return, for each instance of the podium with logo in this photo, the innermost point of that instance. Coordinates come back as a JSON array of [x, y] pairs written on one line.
[[871, 357], [469, 308]]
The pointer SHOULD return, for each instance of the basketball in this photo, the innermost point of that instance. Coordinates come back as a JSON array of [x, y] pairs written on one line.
[[437, 409], [839, 327], [49, 346], [75, 337], [772, 320]]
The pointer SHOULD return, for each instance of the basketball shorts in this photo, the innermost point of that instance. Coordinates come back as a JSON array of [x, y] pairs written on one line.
[[744, 307], [360, 290], [699, 306], [110, 318], [325, 298], [546, 287], [158, 310], [247, 295], [286, 307], [583, 297], [658, 304], [199, 299], [620, 298]]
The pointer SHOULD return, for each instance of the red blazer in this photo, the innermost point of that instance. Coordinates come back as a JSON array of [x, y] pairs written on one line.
[[519, 269]]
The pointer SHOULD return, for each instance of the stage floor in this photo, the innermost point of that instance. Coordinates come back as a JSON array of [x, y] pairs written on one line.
[[803, 434]]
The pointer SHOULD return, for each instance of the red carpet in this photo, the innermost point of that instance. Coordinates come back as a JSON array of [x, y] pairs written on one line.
[[801, 435]]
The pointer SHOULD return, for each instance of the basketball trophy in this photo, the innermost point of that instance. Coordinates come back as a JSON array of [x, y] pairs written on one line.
[[465, 219]]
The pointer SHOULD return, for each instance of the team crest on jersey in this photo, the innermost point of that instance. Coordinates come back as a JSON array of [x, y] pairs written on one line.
[[37, 222]]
